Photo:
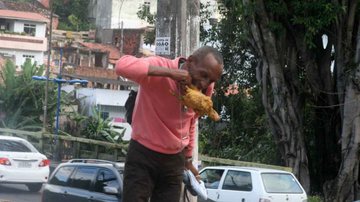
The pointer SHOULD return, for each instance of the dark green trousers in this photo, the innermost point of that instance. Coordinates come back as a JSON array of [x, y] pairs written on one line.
[[152, 175]]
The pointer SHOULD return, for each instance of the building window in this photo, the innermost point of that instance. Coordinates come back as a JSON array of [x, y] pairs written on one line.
[[30, 29], [147, 6], [28, 56], [104, 115]]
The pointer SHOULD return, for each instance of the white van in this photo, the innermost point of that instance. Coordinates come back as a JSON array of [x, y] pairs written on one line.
[[250, 184]]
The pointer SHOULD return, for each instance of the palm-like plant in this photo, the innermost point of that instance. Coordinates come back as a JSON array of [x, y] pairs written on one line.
[[21, 97], [100, 129]]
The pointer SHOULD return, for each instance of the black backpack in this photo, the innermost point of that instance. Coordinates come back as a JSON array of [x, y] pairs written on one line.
[[129, 106]]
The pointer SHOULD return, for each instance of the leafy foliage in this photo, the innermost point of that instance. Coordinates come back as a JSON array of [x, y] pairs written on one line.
[[243, 133], [98, 128], [73, 15], [145, 14], [22, 97], [306, 13]]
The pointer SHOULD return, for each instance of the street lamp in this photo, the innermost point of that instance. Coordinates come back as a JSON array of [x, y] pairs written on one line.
[[59, 80]]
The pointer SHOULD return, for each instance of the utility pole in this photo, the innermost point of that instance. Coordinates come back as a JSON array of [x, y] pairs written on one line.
[[48, 66], [179, 22], [166, 31], [178, 34]]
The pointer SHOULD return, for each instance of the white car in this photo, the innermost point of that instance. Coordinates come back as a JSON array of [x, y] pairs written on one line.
[[21, 163], [230, 184]]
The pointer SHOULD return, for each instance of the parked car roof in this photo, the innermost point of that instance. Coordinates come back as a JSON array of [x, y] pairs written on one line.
[[256, 169], [10, 138], [95, 162], [92, 176]]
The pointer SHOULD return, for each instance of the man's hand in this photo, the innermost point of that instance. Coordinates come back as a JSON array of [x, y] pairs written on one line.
[[190, 166], [181, 76]]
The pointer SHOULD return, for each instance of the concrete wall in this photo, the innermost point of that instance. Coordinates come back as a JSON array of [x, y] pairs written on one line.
[[19, 56], [108, 14], [100, 11], [19, 42], [127, 13], [104, 36]]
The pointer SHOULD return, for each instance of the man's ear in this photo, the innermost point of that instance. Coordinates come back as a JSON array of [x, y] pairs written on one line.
[[191, 58]]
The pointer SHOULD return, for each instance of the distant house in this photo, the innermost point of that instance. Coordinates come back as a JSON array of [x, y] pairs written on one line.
[[111, 103], [85, 54], [103, 55], [132, 40], [94, 62], [23, 35], [40, 6]]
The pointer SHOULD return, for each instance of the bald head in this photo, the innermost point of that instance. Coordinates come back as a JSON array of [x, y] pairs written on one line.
[[202, 52]]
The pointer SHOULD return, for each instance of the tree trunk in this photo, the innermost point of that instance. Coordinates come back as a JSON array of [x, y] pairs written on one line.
[[345, 187], [282, 103]]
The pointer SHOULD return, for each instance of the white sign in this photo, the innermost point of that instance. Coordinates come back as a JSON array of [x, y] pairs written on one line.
[[162, 46]]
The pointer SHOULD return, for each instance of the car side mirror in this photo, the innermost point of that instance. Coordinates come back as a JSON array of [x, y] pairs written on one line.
[[111, 190]]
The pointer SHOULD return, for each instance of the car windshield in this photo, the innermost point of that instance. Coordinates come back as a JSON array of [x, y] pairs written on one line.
[[280, 183], [16, 146]]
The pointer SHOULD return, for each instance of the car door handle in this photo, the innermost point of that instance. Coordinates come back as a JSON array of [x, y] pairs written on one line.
[[218, 195], [91, 198], [243, 200]]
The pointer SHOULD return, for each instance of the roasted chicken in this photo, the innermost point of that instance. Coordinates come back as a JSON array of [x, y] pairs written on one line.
[[199, 102]]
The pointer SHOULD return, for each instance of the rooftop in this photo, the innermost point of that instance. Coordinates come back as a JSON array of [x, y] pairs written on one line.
[[34, 7], [108, 97], [114, 53], [21, 15]]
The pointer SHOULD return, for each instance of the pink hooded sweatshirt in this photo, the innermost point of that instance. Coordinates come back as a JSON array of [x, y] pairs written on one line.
[[159, 121]]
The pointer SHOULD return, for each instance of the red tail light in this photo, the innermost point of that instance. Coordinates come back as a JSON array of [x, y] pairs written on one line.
[[5, 161], [44, 162]]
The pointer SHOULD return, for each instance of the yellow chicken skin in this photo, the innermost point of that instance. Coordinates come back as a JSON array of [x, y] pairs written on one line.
[[199, 102]]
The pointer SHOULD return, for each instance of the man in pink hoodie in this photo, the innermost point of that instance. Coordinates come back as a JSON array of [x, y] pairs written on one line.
[[163, 130]]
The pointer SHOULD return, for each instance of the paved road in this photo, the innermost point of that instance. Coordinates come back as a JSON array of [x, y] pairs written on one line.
[[18, 193]]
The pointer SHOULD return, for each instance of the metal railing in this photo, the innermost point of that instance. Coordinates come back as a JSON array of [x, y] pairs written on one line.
[[70, 147], [81, 148]]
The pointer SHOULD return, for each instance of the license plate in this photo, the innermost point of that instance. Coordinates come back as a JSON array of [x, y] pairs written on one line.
[[24, 164]]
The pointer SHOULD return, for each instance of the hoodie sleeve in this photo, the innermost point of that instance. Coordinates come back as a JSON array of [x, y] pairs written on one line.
[[130, 67]]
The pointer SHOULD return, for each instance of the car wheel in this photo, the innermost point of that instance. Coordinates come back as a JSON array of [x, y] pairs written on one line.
[[34, 187]]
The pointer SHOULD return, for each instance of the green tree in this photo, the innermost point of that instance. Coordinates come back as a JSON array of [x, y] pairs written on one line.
[[73, 15], [301, 88], [22, 104], [243, 132], [145, 14]]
